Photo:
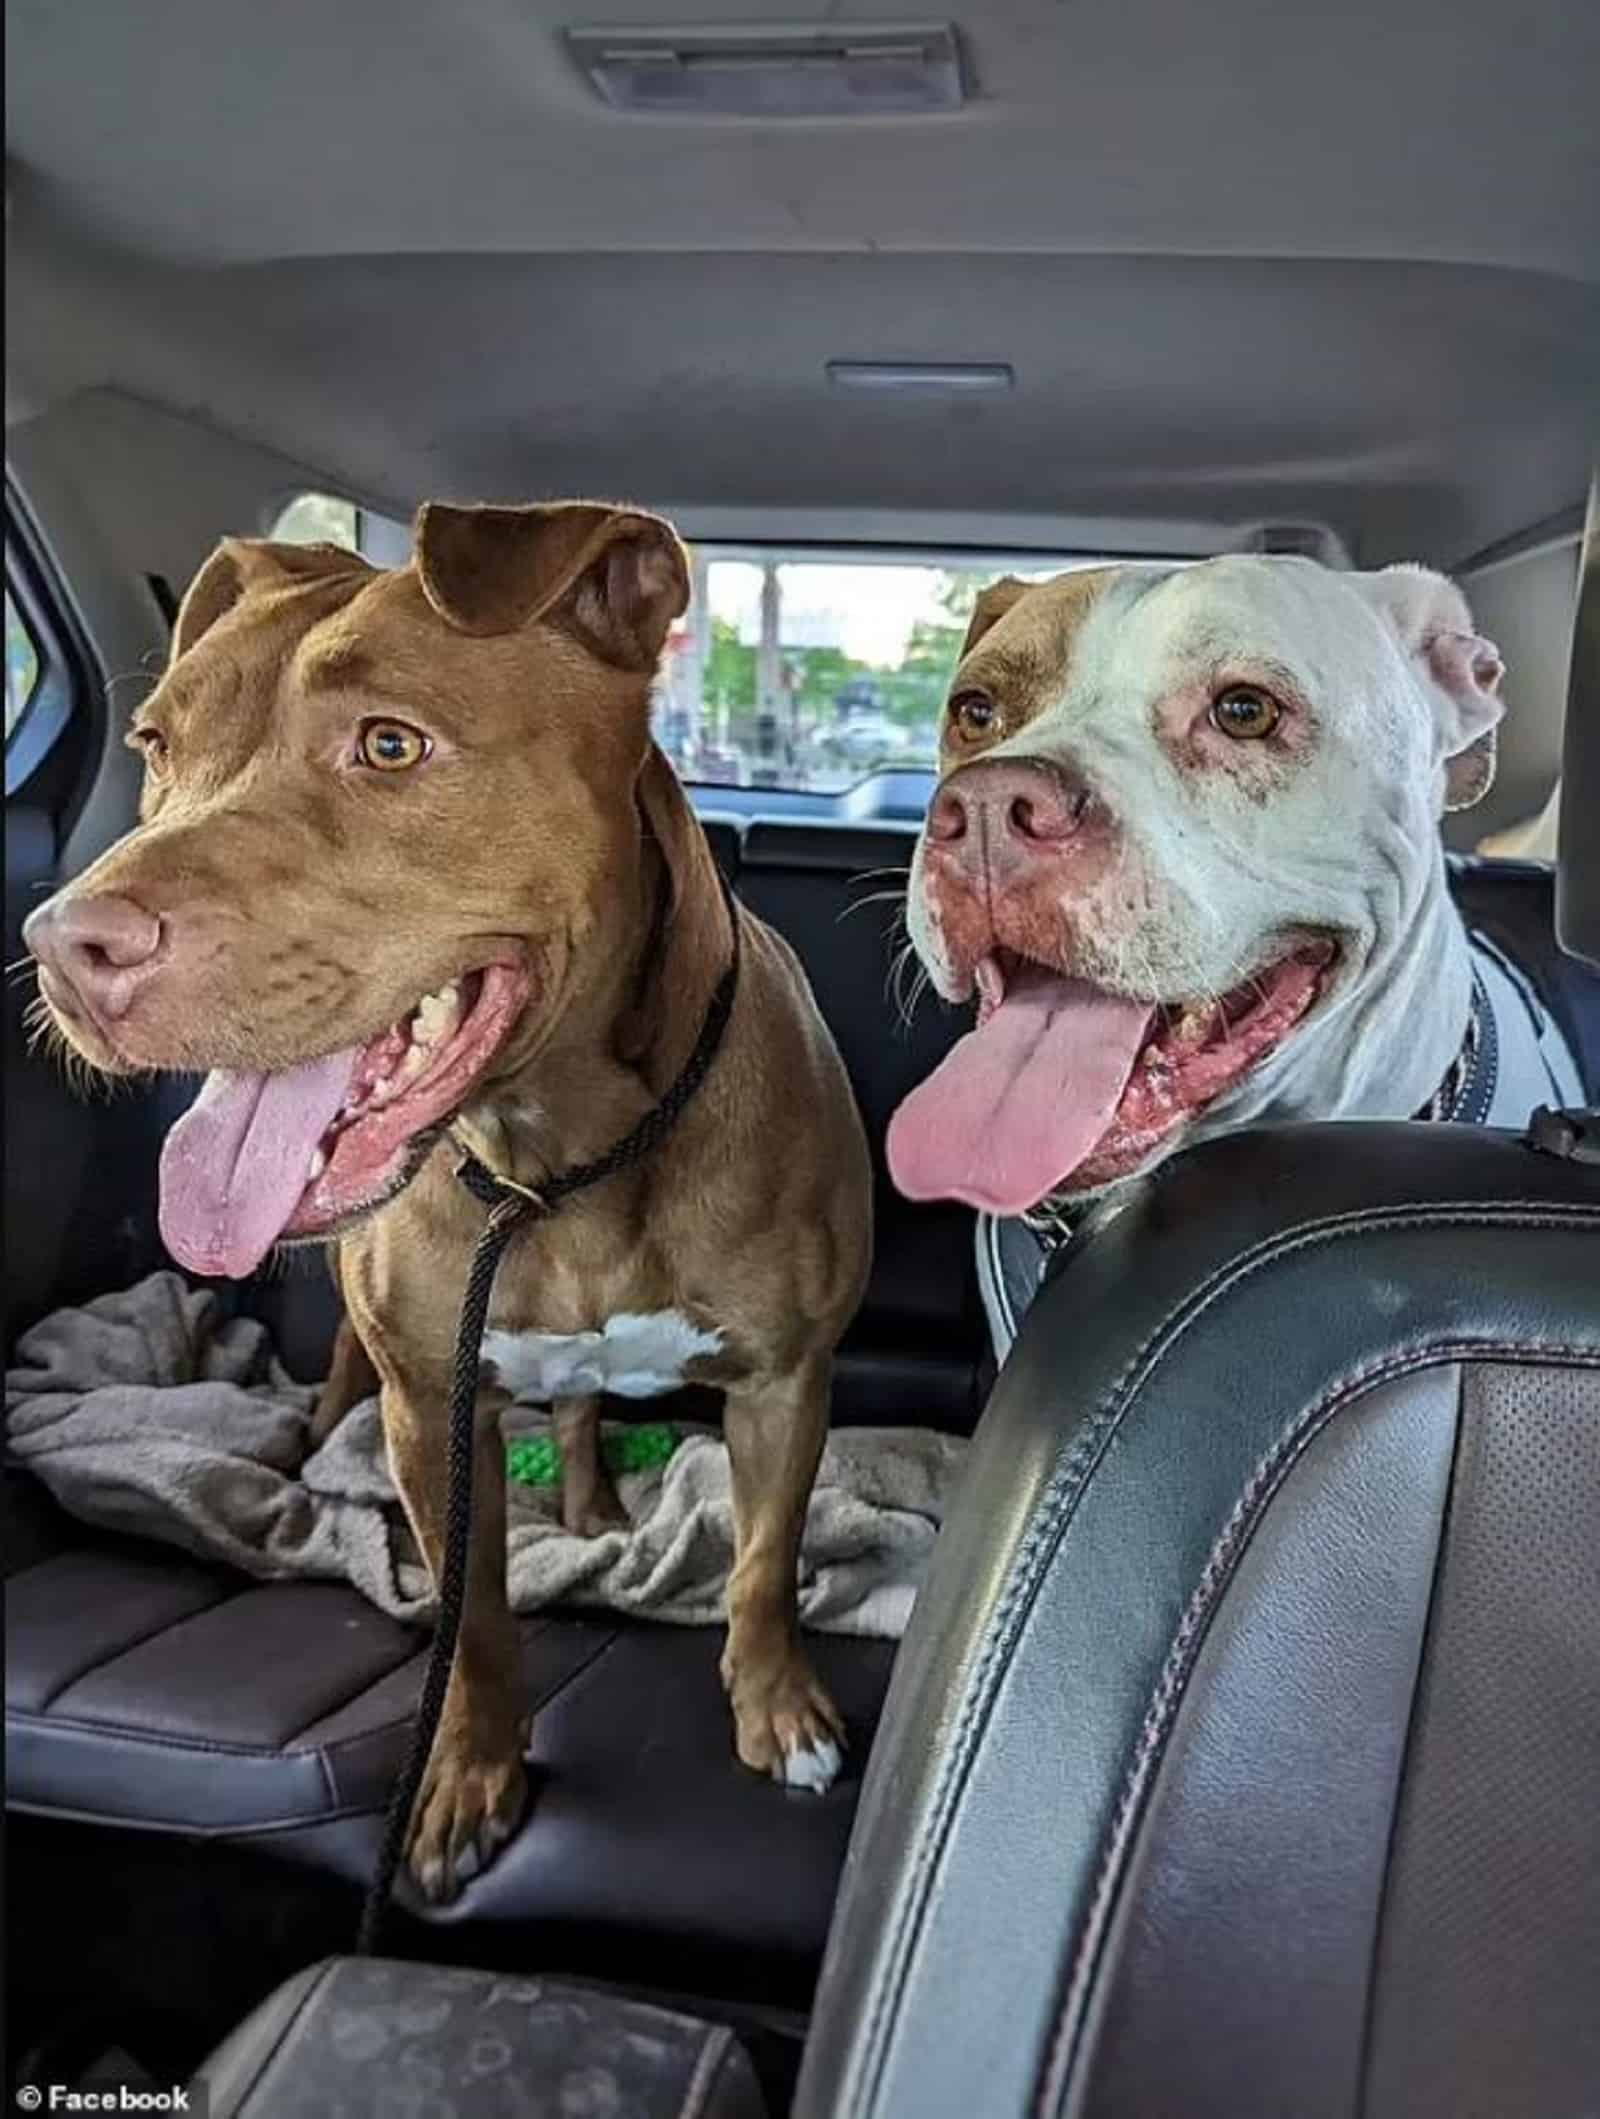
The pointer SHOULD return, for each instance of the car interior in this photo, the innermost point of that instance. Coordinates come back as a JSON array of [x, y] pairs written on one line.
[[1241, 1754]]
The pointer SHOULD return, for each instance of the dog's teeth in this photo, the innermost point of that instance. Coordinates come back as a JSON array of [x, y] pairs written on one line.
[[437, 1015], [317, 1164]]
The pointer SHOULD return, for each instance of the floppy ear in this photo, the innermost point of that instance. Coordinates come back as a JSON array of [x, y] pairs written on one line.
[[615, 576], [215, 589], [239, 563], [1460, 671], [991, 606]]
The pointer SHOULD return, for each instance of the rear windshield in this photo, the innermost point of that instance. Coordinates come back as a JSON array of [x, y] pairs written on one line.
[[812, 670]]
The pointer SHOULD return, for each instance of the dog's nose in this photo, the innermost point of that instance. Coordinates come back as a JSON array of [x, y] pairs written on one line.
[[102, 948], [1008, 813]]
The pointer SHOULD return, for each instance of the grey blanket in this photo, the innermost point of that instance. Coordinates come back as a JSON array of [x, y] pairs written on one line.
[[150, 1411]]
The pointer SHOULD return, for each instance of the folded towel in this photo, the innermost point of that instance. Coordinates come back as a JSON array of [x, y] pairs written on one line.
[[152, 1412]]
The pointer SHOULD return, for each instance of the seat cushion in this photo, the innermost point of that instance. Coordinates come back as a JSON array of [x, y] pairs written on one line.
[[362, 2036], [145, 1689]]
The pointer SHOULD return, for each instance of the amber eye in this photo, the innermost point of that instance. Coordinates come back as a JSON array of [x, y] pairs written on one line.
[[974, 715], [1245, 712], [152, 744], [391, 746]]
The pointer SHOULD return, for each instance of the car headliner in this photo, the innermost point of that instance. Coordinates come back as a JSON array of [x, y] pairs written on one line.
[[1248, 261]]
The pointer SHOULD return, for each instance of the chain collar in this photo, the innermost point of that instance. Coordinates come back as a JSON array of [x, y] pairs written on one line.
[[1470, 1080]]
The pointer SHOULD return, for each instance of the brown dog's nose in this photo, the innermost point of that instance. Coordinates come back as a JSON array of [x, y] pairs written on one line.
[[1007, 814], [100, 948]]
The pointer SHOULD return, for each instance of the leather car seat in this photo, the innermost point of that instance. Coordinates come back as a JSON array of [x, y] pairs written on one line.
[[1243, 1753]]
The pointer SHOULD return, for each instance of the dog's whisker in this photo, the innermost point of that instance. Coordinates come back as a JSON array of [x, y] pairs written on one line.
[[904, 998], [873, 897]]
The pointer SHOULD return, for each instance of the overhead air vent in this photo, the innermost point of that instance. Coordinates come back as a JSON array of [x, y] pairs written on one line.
[[836, 71]]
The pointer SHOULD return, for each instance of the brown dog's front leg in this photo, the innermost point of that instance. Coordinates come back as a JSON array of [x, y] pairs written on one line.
[[473, 1792], [785, 1724], [351, 1373], [351, 1377], [589, 1503]]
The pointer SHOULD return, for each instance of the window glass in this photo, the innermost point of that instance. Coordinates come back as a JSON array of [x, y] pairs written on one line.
[[810, 670], [22, 666], [319, 518], [42, 690]]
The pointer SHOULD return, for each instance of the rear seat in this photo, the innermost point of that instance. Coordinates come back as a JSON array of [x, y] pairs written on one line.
[[146, 1691]]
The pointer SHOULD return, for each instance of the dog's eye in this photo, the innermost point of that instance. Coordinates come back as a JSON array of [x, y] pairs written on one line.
[[391, 746], [151, 744], [1245, 712], [974, 715]]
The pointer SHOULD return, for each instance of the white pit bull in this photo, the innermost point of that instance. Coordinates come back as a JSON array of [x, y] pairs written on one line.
[[1186, 854]]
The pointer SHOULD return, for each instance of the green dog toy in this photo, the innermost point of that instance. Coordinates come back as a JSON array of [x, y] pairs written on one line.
[[536, 1461]]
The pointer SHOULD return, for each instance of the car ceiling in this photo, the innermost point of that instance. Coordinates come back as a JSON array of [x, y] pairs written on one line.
[[1248, 261]]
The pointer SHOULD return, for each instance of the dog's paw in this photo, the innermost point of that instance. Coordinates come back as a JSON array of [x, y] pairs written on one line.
[[467, 1810], [789, 1729]]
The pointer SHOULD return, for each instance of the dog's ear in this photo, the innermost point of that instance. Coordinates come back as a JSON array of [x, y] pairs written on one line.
[[991, 606], [617, 577], [215, 589], [239, 563], [1460, 670]]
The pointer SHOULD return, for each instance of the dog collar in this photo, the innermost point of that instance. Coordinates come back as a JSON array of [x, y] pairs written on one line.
[[1464, 1096]]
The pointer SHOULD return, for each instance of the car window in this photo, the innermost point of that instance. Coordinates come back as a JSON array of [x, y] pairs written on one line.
[[319, 518], [22, 666], [806, 669], [41, 679]]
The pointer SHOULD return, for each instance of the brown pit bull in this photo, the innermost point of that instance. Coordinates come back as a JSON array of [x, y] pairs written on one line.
[[411, 876]]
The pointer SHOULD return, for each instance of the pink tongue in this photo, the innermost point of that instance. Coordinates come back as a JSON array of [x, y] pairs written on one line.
[[234, 1166], [1016, 1106]]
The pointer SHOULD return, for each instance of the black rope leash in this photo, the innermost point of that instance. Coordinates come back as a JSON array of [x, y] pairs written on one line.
[[510, 1206]]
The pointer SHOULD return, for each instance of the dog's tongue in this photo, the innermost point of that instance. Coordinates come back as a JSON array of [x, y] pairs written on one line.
[[234, 1166], [1020, 1101]]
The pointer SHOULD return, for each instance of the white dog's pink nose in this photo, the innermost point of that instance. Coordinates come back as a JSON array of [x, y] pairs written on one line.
[[1007, 815]]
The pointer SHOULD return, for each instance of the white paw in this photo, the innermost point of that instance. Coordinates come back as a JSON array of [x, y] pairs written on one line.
[[465, 1817], [814, 1766]]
